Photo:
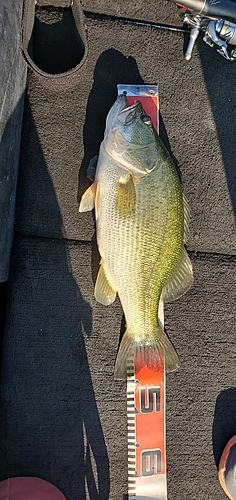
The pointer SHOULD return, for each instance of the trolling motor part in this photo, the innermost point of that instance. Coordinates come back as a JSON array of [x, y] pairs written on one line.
[[216, 19]]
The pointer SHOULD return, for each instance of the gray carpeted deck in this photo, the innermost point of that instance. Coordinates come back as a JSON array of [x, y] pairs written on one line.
[[62, 415]]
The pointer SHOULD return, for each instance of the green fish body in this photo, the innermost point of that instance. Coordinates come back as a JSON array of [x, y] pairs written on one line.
[[142, 221]]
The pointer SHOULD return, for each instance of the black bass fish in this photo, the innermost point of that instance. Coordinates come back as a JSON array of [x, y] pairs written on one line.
[[142, 221]]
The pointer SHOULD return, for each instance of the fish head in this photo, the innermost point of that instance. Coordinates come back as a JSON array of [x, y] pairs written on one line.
[[130, 137]]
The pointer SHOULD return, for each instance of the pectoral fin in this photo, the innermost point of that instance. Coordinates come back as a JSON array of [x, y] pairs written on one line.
[[104, 292], [88, 199], [181, 279], [126, 197]]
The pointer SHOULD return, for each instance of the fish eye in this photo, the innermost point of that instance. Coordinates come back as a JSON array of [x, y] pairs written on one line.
[[146, 119], [131, 117]]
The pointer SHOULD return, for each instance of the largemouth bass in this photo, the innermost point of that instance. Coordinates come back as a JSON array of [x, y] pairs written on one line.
[[142, 221]]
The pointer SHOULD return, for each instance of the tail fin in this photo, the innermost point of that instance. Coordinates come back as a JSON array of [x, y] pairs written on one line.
[[149, 352]]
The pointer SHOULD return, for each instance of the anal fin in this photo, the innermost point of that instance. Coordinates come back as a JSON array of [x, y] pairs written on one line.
[[104, 293]]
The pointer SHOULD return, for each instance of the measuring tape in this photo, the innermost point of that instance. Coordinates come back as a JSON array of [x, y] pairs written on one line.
[[145, 388]]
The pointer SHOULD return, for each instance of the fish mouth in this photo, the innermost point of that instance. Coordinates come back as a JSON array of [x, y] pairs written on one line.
[[131, 107], [120, 112], [128, 114]]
